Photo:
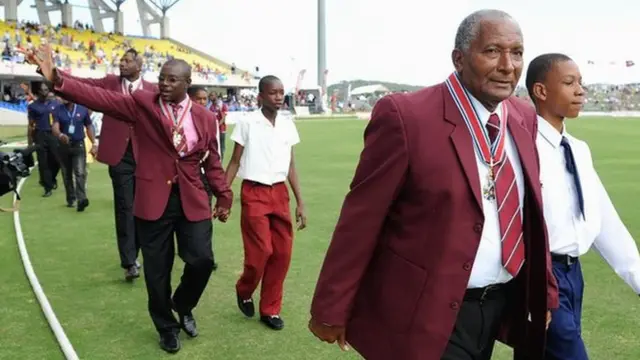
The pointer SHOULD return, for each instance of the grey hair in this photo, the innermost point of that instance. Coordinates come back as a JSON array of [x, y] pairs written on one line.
[[469, 27]]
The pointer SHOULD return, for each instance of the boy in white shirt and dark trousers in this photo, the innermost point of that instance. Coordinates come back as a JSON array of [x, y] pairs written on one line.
[[263, 158], [577, 209]]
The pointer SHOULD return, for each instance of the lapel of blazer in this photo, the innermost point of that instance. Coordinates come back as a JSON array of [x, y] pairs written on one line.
[[463, 143]]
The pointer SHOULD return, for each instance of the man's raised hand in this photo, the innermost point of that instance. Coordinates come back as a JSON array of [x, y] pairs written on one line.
[[43, 59]]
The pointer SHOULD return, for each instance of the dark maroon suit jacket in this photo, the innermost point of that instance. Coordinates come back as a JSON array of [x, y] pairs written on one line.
[[114, 135], [398, 265], [158, 162]]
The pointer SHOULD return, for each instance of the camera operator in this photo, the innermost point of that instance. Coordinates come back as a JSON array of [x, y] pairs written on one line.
[[69, 123], [40, 121]]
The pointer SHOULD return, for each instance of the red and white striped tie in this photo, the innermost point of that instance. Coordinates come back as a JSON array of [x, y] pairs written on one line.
[[181, 147], [509, 211]]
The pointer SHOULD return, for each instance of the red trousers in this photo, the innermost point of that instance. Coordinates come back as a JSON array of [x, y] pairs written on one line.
[[267, 235]]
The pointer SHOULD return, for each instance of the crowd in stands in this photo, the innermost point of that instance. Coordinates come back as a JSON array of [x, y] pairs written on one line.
[[80, 46]]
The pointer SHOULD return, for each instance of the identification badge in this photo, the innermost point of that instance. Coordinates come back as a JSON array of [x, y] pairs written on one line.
[[72, 129]]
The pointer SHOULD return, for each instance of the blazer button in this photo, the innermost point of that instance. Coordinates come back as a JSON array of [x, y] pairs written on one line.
[[467, 266], [454, 305], [168, 182], [477, 228]]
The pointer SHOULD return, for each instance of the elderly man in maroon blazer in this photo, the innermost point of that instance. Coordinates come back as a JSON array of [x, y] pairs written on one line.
[[440, 248], [174, 135], [118, 149]]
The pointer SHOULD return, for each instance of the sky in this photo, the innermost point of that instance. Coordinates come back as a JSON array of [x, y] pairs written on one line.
[[406, 41]]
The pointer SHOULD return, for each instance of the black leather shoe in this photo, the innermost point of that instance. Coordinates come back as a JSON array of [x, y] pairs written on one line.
[[82, 204], [71, 204], [273, 321], [246, 306], [188, 324], [170, 342], [47, 193], [131, 273]]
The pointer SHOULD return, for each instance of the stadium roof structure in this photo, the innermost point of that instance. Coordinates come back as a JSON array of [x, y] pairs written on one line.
[[151, 12], [369, 89]]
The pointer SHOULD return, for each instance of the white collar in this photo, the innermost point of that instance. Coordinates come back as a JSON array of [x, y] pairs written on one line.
[[483, 113], [551, 134], [134, 84]]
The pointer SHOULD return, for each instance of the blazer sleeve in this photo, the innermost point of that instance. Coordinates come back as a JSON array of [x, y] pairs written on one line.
[[213, 168], [553, 302], [377, 181], [119, 106], [101, 82]]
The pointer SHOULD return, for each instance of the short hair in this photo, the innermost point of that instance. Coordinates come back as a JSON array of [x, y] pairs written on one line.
[[540, 67], [133, 52], [265, 80], [469, 27], [184, 66], [36, 87], [193, 90]]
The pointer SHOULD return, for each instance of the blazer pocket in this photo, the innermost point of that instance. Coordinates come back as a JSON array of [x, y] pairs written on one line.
[[397, 288]]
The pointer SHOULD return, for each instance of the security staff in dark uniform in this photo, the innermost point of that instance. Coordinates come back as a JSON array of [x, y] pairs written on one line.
[[40, 121], [69, 123]]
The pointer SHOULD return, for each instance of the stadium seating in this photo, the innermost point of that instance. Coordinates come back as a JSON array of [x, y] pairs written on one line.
[[117, 44], [19, 107]]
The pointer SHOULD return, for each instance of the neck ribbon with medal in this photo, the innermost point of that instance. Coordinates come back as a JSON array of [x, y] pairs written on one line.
[[176, 122], [491, 154]]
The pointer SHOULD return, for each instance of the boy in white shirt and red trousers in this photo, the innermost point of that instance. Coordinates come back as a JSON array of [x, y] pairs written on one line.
[[263, 158]]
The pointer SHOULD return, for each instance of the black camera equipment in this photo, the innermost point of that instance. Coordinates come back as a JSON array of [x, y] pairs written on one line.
[[13, 166]]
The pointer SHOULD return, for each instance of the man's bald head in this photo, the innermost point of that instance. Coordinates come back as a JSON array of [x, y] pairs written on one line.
[[180, 67], [174, 80]]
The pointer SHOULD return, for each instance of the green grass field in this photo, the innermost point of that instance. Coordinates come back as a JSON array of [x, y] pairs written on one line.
[[75, 257]]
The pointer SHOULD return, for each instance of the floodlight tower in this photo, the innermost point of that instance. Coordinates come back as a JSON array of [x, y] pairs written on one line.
[[100, 10], [45, 7], [149, 15], [10, 10]]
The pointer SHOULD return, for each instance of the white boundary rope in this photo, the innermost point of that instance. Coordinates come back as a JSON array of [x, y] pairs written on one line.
[[63, 341]]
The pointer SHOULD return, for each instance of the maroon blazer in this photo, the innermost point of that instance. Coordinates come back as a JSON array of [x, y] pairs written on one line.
[[158, 162], [398, 265], [114, 135]]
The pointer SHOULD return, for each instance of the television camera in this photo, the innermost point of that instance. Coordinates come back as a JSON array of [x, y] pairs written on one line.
[[13, 166]]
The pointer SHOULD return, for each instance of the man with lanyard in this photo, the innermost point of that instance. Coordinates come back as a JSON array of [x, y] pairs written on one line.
[[39, 114], [69, 123]]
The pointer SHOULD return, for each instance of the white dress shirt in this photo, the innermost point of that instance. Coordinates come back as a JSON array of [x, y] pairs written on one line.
[[267, 147], [487, 266], [571, 233], [135, 85]]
